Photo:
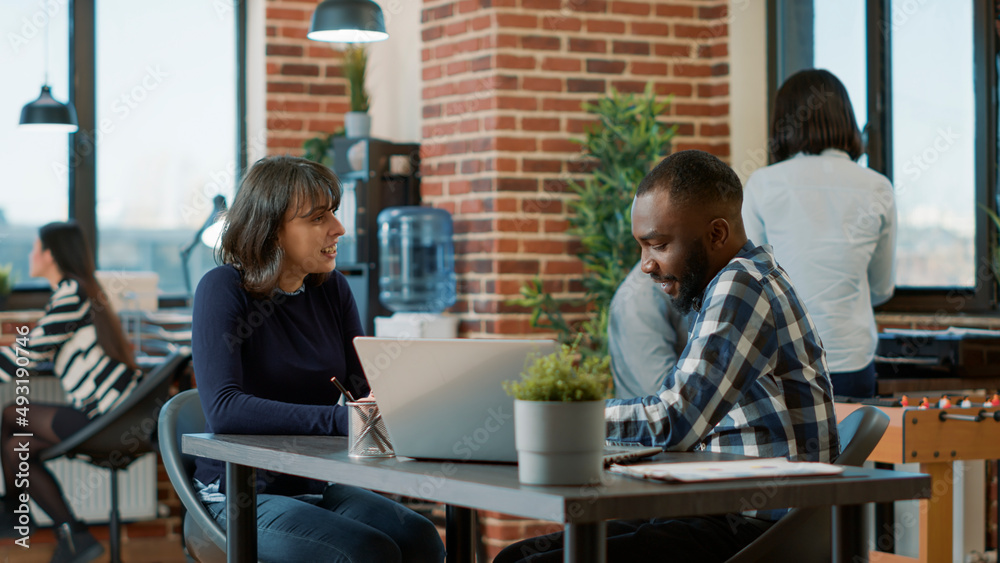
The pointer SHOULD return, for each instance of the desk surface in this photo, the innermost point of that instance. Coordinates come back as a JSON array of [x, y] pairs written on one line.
[[495, 486]]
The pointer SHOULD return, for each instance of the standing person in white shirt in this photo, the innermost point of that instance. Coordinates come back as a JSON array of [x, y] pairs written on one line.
[[831, 221]]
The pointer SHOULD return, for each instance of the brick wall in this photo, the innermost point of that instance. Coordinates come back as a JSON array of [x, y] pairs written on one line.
[[503, 83], [306, 92]]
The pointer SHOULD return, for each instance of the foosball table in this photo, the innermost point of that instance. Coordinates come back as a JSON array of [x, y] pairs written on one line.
[[934, 433]]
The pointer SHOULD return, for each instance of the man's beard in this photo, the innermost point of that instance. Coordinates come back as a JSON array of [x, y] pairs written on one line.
[[691, 283]]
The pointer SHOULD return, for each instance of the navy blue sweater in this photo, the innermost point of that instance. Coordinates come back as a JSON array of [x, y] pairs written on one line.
[[264, 366]]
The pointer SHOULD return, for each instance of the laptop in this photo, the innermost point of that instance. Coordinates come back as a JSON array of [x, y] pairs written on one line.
[[443, 398]]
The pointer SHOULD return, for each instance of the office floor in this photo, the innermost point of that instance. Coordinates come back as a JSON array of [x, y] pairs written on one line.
[[136, 550]]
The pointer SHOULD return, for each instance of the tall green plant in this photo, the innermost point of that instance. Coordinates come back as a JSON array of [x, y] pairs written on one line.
[[355, 66], [625, 144]]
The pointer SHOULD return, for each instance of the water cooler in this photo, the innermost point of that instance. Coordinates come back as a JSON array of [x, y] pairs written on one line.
[[416, 275]]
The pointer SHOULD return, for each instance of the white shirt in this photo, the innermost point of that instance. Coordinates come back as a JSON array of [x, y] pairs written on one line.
[[832, 224]]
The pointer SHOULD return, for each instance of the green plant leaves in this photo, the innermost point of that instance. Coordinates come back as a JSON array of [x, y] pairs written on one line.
[[995, 243], [317, 149], [562, 376], [6, 280], [355, 67], [626, 142]]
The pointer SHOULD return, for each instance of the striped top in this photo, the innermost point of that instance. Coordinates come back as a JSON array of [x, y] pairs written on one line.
[[66, 337]]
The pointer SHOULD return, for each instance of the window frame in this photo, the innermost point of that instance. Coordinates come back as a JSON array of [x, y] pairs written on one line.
[[939, 300], [83, 87]]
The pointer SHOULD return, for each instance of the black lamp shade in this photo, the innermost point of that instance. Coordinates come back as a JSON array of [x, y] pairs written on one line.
[[347, 21], [49, 114]]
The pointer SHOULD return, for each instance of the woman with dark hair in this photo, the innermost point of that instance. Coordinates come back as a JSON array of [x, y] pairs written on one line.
[[271, 326], [832, 222], [81, 337]]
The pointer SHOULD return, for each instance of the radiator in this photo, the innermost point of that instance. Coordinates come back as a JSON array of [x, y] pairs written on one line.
[[88, 488]]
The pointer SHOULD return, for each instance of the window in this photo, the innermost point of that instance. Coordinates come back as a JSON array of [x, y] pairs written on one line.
[[918, 74], [163, 135], [933, 133], [166, 115], [35, 187]]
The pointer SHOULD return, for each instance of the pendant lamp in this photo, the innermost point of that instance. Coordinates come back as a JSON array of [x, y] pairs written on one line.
[[46, 113], [347, 21]]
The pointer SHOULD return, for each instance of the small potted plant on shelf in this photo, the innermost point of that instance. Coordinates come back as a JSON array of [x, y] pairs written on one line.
[[6, 284], [559, 428], [357, 122]]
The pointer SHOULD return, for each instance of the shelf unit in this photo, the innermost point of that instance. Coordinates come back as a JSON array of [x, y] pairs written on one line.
[[375, 174]]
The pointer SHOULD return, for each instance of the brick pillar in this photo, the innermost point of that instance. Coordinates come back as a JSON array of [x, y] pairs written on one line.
[[306, 92], [502, 86]]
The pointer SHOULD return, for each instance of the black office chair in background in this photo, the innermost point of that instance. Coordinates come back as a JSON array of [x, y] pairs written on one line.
[[803, 535], [124, 434]]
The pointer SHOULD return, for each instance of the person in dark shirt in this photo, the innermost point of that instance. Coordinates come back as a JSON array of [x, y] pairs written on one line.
[[271, 326], [82, 339]]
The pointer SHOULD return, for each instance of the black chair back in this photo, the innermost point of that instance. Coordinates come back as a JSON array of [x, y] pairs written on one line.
[[803, 535], [204, 538], [125, 433]]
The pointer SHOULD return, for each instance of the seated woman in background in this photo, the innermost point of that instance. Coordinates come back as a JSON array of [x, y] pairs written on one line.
[[82, 337], [831, 221], [270, 328]]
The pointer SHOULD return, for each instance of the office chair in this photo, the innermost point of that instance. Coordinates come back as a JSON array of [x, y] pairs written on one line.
[[124, 434], [204, 538], [803, 535]]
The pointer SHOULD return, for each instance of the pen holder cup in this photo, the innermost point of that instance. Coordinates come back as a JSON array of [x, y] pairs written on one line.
[[366, 433]]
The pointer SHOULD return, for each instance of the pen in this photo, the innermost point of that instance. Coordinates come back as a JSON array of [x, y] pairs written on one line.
[[343, 389], [381, 441]]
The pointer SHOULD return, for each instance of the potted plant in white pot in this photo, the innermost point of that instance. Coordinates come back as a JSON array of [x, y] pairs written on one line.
[[559, 428], [357, 122]]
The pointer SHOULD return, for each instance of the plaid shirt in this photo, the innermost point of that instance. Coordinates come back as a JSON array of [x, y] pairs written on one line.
[[752, 380]]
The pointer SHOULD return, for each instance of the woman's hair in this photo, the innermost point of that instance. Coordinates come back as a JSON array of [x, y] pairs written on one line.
[[72, 255], [812, 112], [271, 187]]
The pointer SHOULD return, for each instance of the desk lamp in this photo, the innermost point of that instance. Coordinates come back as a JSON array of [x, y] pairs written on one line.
[[209, 234]]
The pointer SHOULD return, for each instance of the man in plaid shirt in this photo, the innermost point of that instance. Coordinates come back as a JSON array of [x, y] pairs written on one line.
[[752, 380]]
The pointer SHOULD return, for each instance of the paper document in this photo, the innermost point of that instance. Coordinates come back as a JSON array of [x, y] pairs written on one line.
[[720, 470]]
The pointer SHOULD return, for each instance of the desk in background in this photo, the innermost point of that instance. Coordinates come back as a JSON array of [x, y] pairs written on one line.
[[583, 509], [922, 361], [10, 320]]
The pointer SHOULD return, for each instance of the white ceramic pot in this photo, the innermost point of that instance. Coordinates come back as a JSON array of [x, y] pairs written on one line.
[[559, 443], [357, 124]]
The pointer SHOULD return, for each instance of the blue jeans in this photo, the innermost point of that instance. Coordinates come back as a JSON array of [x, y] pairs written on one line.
[[858, 384], [345, 524]]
